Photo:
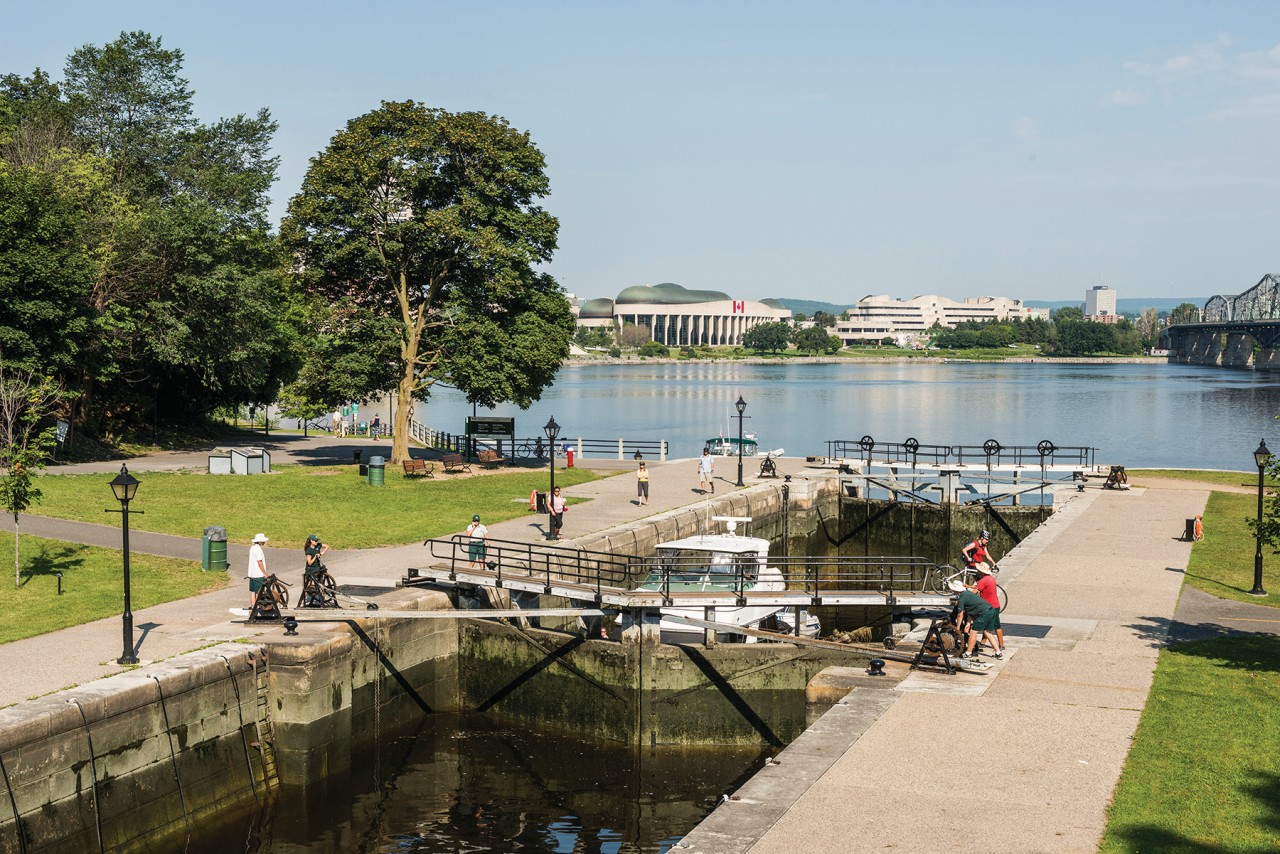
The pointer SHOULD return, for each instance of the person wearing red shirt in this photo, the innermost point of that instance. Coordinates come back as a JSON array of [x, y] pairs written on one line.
[[986, 588]]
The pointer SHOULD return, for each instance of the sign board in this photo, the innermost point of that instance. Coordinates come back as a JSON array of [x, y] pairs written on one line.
[[62, 428], [501, 427]]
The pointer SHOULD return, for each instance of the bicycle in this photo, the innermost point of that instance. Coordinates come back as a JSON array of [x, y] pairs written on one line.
[[968, 575]]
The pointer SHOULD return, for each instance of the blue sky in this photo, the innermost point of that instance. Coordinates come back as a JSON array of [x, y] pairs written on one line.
[[812, 150]]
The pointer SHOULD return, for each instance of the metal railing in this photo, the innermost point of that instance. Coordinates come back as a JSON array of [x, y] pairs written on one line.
[[990, 452], [597, 570], [537, 448]]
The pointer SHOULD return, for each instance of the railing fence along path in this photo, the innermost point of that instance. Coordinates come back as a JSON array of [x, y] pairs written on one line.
[[537, 447]]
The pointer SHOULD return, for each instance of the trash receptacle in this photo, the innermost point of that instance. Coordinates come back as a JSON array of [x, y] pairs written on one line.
[[569, 456], [377, 471], [214, 548], [542, 502]]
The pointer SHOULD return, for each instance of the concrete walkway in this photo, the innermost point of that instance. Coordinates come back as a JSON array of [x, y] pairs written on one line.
[[73, 656], [1024, 759]]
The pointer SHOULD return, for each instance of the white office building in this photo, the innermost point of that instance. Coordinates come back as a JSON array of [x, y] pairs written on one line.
[[1100, 303], [880, 316]]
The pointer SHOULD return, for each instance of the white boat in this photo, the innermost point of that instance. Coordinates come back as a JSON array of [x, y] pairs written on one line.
[[723, 446], [721, 562]]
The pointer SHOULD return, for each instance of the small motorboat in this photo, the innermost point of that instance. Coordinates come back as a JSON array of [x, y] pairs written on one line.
[[722, 446], [721, 562]]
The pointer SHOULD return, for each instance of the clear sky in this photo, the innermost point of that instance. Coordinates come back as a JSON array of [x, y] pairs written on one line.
[[810, 150]]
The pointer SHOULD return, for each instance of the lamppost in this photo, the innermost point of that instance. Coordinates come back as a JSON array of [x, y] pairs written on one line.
[[742, 407], [552, 429], [125, 487], [1261, 457]]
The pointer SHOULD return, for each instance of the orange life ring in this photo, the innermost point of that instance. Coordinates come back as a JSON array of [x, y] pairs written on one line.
[[1199, 529]]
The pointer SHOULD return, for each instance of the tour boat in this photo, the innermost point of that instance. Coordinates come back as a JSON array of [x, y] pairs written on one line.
[[722, 446], [721, 562]]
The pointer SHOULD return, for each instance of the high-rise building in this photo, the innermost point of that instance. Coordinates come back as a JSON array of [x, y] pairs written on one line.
[[1099, 302]]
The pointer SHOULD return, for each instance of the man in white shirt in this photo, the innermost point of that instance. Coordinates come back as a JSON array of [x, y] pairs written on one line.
[[257, 566], [705, 470]]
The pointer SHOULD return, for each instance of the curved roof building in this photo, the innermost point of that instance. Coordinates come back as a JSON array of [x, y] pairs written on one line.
[[679, 317]]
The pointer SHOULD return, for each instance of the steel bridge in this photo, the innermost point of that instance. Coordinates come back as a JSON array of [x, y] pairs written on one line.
[[1232, 331]]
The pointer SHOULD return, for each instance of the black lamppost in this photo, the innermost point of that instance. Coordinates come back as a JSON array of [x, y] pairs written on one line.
[[125, 487], [742, 407], [552, 429], [1261, 457]]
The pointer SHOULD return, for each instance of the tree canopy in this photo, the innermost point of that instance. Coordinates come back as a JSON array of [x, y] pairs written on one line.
[[135, 261], [431, 218], [768, 337]]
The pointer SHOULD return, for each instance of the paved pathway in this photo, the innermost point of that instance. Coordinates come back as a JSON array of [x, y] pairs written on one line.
[[1093, 592]]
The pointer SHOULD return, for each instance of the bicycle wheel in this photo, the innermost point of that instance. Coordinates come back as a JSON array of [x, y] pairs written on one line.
[[938, 578], [1003, 597]]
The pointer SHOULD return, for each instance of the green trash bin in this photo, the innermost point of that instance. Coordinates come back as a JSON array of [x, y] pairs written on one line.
[[377, 471], [214, 549]]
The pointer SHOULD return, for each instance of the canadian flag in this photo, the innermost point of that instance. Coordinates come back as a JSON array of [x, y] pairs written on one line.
[[739, 306]]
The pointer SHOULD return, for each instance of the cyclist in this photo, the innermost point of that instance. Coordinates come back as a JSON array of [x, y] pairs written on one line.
[[976, 552]]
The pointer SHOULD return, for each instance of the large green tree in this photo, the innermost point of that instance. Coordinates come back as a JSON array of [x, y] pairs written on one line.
[[1186, 312], [154, 239], [433, 219], [767, 337]]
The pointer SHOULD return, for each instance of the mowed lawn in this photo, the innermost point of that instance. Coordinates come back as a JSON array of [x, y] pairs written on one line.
[[1202, 775], [92, 584], [294, 501]]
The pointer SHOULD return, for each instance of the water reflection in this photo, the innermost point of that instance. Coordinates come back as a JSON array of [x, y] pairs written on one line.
[[1135, 414], [467, 784]]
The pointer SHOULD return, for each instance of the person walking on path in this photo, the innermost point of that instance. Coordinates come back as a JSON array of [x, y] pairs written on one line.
[[257, 567], [478, 545], [976, 552], [974, 610], [986, 588], [557, 507], [336, 423], [706, 468], [642, 484], [375, 428]]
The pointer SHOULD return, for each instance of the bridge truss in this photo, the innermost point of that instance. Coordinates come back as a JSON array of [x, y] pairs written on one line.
[[1260, 302]]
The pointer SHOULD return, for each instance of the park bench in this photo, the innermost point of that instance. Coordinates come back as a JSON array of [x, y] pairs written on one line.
[[418, 468], [491, 459], [454, 463]]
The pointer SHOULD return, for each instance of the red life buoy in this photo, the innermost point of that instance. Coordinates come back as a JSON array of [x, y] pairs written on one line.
[[1199, 529], [533, 500]]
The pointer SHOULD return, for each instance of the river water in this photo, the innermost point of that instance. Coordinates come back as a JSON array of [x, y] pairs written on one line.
[[466, 784], [1137, 415]]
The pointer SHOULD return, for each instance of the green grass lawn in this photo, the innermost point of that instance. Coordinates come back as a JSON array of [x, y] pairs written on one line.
[[1249, 480], [294, 501], [1222, 563], [92, 586], [1202, 774]]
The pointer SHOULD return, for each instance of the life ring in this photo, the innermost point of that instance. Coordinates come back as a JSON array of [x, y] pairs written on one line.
[[1199, 529]]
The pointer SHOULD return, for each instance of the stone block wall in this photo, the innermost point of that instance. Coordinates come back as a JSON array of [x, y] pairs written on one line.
[[127, 762]]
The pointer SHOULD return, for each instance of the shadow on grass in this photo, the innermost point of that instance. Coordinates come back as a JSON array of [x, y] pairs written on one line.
[[1265, 790], [50, 561]]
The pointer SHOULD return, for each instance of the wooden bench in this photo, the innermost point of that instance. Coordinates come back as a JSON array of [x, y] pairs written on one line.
[[490, 459], [418, 468], [454, 463]]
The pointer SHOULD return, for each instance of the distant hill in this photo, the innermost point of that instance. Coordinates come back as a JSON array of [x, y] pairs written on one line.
[[1134, 305], [807, 306]]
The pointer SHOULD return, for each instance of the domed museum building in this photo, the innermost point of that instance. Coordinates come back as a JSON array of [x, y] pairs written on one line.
[[679, 317]]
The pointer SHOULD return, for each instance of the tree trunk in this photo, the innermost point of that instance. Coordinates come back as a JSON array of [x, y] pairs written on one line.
[[404, 411], [17, 564]]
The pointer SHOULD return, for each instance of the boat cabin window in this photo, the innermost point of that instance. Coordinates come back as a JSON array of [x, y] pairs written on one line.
[[715, 565]]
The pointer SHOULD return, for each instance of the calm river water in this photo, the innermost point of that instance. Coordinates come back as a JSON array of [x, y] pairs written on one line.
[[1137, 415]]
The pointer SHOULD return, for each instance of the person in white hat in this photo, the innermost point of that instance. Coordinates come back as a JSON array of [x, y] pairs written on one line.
[[257, 566], [986, 587]]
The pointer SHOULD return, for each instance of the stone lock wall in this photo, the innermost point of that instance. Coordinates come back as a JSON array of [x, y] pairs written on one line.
[[129, 761]]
